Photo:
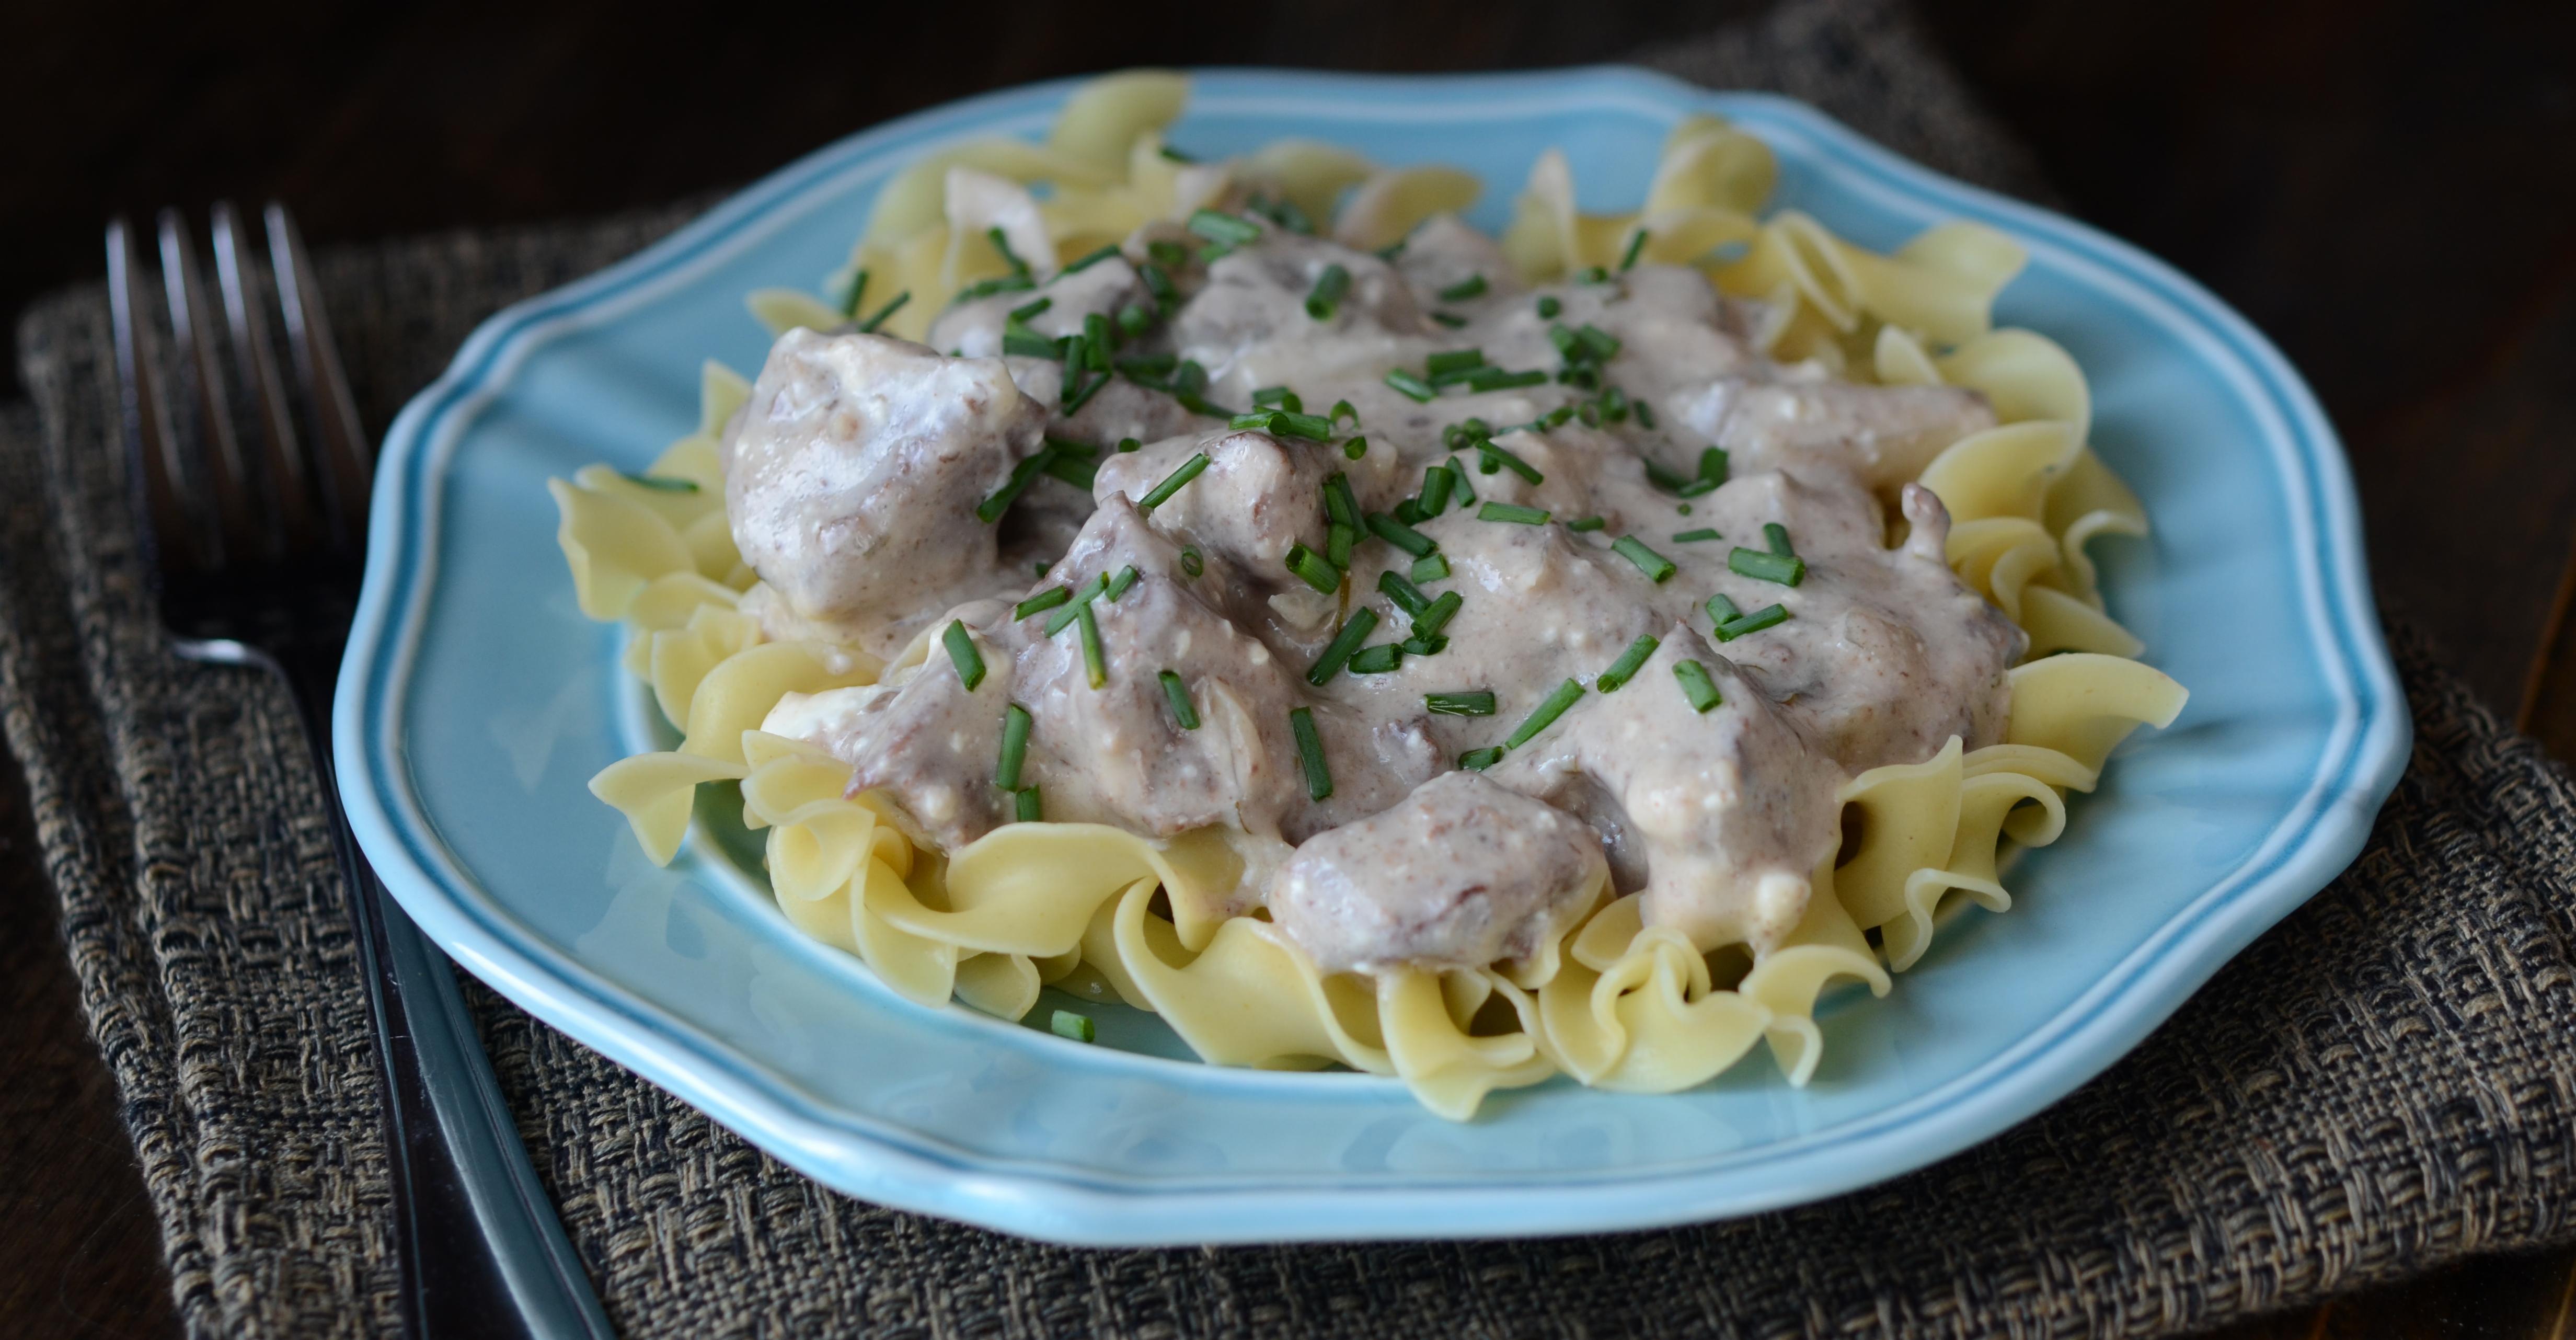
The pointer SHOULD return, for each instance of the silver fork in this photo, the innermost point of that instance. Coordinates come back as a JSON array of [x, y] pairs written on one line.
[[256, 556]]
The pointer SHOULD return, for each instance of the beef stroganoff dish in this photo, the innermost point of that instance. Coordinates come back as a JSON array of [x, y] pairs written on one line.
[[1244, 591]]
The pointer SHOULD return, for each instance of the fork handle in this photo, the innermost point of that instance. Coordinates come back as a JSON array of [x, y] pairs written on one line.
[[480, 1249]]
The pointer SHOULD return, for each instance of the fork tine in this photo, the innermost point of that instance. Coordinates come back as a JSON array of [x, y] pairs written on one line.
[[343, 459], [204, 429], [236, 269], [171, 538]]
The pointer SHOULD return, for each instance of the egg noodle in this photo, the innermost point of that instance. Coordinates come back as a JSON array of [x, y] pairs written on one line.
[[1613, 1003]]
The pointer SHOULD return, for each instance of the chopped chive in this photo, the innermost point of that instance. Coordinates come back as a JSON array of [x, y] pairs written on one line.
[[1148, 365], [1450, 319], [1636, 246], [1696, 685], [1590, 414], [1253, 421], [1712, 465], [1776, 537], [990, 510], [1021, 342], [1191, 563], [1614, 404], [1496, 379], [1381, 659], [1092, 259], [1337, 545], [1403, 594], [1548, 307], [1159, 282], [1494, 454], [1410, 385], [1512, 512], [1450, 361], [1765, 617], [1722, 610], [1392, 249], [1280, 396], [1656, 567], [1015, 747], [1436, 615], [1586, 523], [985, 288], [1096, 331], [1316, 570], [1355, 448], [1029, 309], [1095, 662], [1198, 404], [1769, 567], [1312, 427], [1465, 703], [1432, 568], [1458, 480], [1027, 806], [1684, 509], [1072, 469], [1042, 566], [1224, 229], [1625, 668], [1545, 714], [1435, 490], [1473, 286], [870, 325], [1163, 250], [661, 483], [1424, 644], [1408, 511], [858, 291], [1592, 274], [1082, 597], [1181, 474], [1002, 244], [1127, 576], [1343, 409], [1400, 535], [1310, 751], [1665, 479], [1322, 299], [1134, 320], [1337, 653], [1645, 414], [1066, 1023], [962, 653], [1695, 536], [1176, 156], [1602, 345], [1477, 760], [1184, 712], [1128, 444]]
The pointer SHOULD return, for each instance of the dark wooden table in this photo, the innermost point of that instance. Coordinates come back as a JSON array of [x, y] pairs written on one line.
[[2388, 187]]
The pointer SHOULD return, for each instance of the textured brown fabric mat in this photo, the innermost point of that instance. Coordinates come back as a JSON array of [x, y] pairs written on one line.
[[2381, 1084]]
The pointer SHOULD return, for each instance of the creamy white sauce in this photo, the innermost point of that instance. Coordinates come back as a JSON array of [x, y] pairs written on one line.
[[857, 472]]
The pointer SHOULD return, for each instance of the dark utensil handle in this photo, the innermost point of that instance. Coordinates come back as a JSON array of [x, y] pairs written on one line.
[[480, 1249]]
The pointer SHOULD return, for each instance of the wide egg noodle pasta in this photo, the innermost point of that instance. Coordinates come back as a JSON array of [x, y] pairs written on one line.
[[1611, 1002]]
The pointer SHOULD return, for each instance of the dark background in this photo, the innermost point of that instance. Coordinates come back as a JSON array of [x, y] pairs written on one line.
[[2386, 187]]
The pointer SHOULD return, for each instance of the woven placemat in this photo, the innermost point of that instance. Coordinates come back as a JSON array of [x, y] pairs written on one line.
[[2381, 1084]]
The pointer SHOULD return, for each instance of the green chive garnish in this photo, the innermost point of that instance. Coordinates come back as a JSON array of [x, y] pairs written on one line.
[[1776, 536], [1355, 448], [1636, 245], [1785, 569], [1721, 610], [1582, 524], [1224, 229], [1765, 617], [1015, 747], [1066, 1023], [1592, 274], [990, 510], [1436, 615], [1402, 594], [1178, 695], [1548, 307], [1494, 455], [1128, 444], [1496, 379], [1042, 601], [1424, 644], [1696, 685], [1451, 362], [1656, 567], [1545, 714], [1027, 806], [1127, 577], [1337, 653], [858, 290], [962, 653], [1134, 320], [1473, 286], [1512, 512], [1327, 293], [1378, 660], [1411, 386], [1316, 570], [1280, 396], [1458, 484], [661, 483], [1602, 345], [1430, 568], [1467, 703], [1645, 414], [1182, 474], [1095, 662], [1342, 410], [1477, 760], [1695, 536], [1339, 502], [1097, 332], [1337, 545], [1712, 465], [1310, 751], [1093, 259], [1400, 535], [1002, 244], [870, 325], [1082, 597], [1625, 668], [1435, 490], [1191, 563], [1312, 427], [1029, 309]]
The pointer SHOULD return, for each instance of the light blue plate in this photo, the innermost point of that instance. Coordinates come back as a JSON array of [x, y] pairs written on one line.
[[476, 702]]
